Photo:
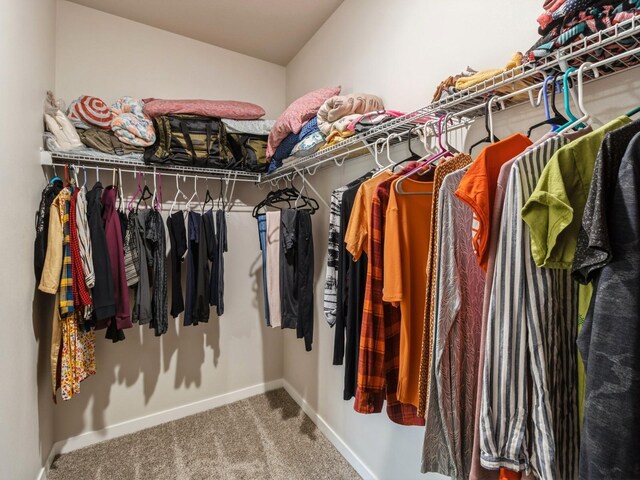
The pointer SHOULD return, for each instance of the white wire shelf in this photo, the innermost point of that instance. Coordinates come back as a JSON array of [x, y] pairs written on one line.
[[608, 43], [91, 158]]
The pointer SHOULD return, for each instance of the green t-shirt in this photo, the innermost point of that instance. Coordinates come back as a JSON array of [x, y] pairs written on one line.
[[554, 210]]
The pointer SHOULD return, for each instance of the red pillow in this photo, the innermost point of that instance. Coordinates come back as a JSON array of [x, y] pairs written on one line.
[[297, 114], [155, 107]]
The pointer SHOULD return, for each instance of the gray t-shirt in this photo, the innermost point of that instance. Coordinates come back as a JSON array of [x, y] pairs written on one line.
[[610, 340], [593, 250]]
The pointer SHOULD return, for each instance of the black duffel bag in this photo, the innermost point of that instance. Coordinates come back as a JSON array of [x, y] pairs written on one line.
[[191, 141]]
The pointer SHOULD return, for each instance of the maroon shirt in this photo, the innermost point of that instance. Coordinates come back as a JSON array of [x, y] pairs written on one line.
[[115, 248]]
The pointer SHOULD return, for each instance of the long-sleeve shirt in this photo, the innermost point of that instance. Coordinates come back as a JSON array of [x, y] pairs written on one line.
[[530, 331]]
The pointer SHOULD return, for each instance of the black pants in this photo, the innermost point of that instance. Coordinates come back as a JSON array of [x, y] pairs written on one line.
[[296, 273]]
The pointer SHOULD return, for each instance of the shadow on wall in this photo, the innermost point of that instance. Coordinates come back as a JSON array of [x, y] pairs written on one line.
[[142, 357], [42, 307]]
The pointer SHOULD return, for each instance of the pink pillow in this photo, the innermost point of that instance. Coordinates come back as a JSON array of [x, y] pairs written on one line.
[[155, 107], [297, 114]]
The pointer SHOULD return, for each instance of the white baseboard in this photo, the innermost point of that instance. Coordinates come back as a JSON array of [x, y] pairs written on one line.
[[330, 433], [151, 420]]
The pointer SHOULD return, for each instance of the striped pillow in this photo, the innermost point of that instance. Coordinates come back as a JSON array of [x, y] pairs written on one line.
[[92, 111]]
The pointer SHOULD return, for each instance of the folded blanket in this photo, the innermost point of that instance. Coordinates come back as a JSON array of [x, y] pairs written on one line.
[[130, 125], [252, 127], [466, 82], [155, 107], [308, 145], [286, 146], [334, 108]]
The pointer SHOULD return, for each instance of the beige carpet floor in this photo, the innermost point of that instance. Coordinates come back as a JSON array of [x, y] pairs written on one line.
[[264, 437]]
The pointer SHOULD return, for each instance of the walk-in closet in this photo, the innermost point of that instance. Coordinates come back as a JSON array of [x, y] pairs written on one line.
[[331, 239]]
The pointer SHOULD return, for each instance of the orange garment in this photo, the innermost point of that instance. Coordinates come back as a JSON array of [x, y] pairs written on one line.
[[509, 474], [356, 237], [478, 188], [405, 280]]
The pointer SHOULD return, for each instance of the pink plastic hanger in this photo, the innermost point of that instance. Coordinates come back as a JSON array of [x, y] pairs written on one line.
[[138, 192], [426, 162]]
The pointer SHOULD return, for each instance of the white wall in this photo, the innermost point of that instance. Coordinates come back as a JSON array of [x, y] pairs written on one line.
[[108, 56], [144, 375], [27, 56], [401, 51]]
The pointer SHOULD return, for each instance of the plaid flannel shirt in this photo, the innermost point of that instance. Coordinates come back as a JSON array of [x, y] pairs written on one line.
[[380, 334]]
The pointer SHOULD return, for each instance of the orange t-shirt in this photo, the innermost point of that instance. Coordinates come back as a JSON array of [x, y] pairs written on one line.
[[405, 279], [478, 188], [357, 235]]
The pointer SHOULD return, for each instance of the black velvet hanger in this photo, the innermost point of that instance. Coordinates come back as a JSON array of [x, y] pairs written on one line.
[[413, 157], [558, 118]]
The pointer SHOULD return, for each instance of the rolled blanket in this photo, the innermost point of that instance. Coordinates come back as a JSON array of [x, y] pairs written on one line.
[[90, 111], [130, 124], [334, 108]]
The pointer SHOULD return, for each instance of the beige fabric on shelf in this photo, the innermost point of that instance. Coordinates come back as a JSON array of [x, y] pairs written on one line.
[[336, 107]]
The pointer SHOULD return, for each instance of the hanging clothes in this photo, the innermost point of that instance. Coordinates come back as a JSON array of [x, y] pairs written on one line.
[[142, 310], [84, 238], [205, 248], [478, 472], [102, 293], [333, 263], [178, 242], [541, 344], [592, 247], [304, 278], [357, 245], [82, 302], [379, 349], [405, 263], [273, 267], [217, 271], [477, 188], [116, 258], [50, 192], [156, 239], [72, 349], [609, 340], [456, 340], [445, 167], [262, 237], [192, 268], [131, 251], [288, 261]]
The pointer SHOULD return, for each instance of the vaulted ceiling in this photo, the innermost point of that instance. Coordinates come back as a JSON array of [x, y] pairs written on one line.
[[272, 30]]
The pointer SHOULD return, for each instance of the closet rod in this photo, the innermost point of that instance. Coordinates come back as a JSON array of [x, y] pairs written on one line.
[[231, 177]]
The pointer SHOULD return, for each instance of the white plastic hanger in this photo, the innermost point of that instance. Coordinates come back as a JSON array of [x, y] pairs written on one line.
[[195, 193], [178, 193]]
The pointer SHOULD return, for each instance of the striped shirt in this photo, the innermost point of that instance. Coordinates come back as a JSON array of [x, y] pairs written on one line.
[[335, 240], [84, 238], [530, 336]]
